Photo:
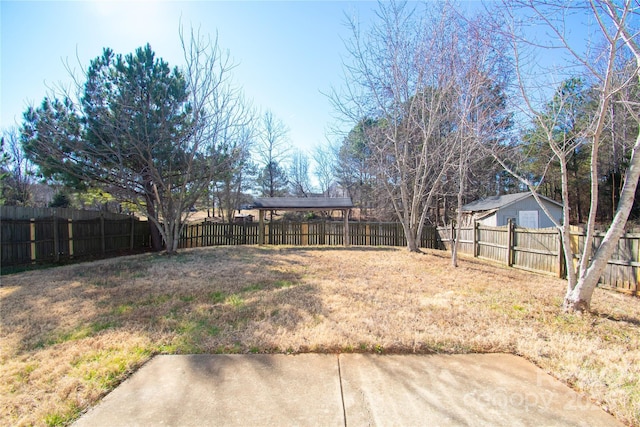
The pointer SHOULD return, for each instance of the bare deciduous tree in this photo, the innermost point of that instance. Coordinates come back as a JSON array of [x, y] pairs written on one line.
[[398, 77], [416, 79], [478, 103], [615, 37], [354, 171], [235, 172], [299, 182], [17, 170], [323, 162], [272, 149]]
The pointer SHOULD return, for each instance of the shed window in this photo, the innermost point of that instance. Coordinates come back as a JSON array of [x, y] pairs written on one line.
[[528, 219]]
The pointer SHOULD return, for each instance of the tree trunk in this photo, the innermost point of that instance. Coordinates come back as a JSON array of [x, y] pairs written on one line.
[[457, 228], [177, 228], [156, 236], [576, 178], [578, 299], [412, 242]]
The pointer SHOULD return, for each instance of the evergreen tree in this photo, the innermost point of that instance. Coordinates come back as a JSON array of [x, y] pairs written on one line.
[[142, 130], [273, 180]]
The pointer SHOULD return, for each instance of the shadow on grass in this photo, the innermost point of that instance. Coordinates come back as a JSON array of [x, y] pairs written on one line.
[[200, 300], [114, 314], [616, 317]]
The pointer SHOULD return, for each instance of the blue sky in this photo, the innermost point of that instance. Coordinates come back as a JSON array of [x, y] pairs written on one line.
[[288, 53]]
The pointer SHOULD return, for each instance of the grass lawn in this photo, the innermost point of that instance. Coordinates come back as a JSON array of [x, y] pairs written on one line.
[[73, 333]]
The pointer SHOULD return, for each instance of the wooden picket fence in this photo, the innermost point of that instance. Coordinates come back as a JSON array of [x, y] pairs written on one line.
[[540, 250], [301, 234]]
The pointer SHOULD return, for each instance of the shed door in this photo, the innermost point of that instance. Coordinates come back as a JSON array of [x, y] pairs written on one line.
[[528, 219]]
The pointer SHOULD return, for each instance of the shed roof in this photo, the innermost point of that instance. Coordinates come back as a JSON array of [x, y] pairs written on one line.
[[497, 202], [302, 203]]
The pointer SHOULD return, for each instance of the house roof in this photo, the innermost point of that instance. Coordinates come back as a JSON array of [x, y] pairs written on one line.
[[497, 202], [302, 203]]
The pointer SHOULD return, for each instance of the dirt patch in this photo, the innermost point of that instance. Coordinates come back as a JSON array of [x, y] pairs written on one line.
[[71, 334]]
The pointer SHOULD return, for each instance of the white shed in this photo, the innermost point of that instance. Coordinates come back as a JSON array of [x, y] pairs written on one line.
[[521, 208]]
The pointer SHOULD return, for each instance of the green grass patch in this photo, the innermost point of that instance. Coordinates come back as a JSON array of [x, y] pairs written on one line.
[[283, 284], [64, 417], [62, 337], [198, 327], [123, 309], [192, 332], [252, 288], [81, 332], [235, 301], [96, 327], [166, 348], [156, 300], [107, 368], [23, 375], [217, 297], [229, 349]]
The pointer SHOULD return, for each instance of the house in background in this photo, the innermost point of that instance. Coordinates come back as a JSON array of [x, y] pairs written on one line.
[[521, 208]]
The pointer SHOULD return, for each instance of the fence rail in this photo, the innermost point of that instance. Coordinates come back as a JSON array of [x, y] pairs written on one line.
[[22, 212]]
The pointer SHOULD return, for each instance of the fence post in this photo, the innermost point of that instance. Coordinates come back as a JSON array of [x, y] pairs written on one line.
[[347, 241], [70, 227], [244, 232], [283, 232], [510, 229], [261, 229], [102, 236], [304, 230], [133, 230], [269, 233], [32, 237], [56, 239], [475, 238], [561, 263]]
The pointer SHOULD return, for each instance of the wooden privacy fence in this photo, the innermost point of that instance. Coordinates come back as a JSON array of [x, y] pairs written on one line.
[[622, 271], [42, 240], [52, 239], [540, 250], [301, 233]]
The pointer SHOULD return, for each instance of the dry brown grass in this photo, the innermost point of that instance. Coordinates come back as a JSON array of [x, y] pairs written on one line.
[[71, 334]]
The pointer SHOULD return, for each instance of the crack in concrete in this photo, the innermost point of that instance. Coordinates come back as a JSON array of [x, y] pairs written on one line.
[[344, 409]]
